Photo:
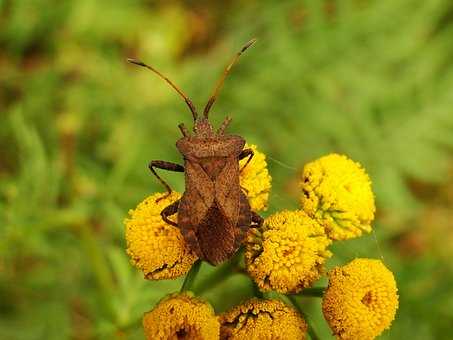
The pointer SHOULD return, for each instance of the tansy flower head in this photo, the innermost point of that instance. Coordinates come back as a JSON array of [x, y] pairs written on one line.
[[287, 252], [337, 192], [181, 316], [361, 300], [255, 179], [155, 247], [262, 319]]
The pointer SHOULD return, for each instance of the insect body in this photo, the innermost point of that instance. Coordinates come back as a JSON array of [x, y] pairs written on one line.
[[213, 212]]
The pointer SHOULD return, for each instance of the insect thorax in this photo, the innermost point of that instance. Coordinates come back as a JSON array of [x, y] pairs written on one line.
[[221, 146]]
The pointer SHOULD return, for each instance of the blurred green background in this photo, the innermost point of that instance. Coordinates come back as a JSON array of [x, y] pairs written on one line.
[[78, 125]]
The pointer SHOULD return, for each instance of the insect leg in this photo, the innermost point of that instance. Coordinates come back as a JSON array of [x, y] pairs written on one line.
[[165, 166], [168, 211], [257, 219], [246, 153]]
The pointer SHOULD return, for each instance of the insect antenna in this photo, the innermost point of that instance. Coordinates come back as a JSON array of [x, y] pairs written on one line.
[[182, 94], [219, 84]]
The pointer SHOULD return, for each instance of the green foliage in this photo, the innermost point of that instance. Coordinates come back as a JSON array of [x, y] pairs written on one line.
[[78, 125]]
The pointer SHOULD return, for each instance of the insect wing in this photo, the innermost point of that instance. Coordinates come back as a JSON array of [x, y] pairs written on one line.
[[200, 191], [227, 190]]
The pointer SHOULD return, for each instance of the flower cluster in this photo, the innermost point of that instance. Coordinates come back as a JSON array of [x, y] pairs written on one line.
[[181, 316], [285, 254], [255, 179], [361, 300], [258, 319], [337, 192]]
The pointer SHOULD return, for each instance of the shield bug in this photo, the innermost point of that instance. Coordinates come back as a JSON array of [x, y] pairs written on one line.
[[213, 212]]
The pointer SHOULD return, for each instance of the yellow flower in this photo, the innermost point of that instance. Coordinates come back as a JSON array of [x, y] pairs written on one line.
[[255, 179], [361, 300], [262, 319], [337, 192], [287, 253], [181, 316], [155, 247]]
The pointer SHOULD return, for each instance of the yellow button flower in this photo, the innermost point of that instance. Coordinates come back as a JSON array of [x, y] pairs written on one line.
[[337, 192], [262, 319], [181, 316], [287, 253], [155, 247], [255, 179], [361, 300]]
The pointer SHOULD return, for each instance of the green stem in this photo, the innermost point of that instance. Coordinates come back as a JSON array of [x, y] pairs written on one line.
[[314, 292], [296, 305], [190, 277], [256, 290]]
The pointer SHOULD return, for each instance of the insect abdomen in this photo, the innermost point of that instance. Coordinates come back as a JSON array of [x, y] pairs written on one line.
[[216, 236]]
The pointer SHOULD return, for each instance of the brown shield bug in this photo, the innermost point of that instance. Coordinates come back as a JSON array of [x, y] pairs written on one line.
[[213, 212]]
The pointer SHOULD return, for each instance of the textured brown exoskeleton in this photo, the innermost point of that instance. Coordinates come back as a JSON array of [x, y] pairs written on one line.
[[213, 213]]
